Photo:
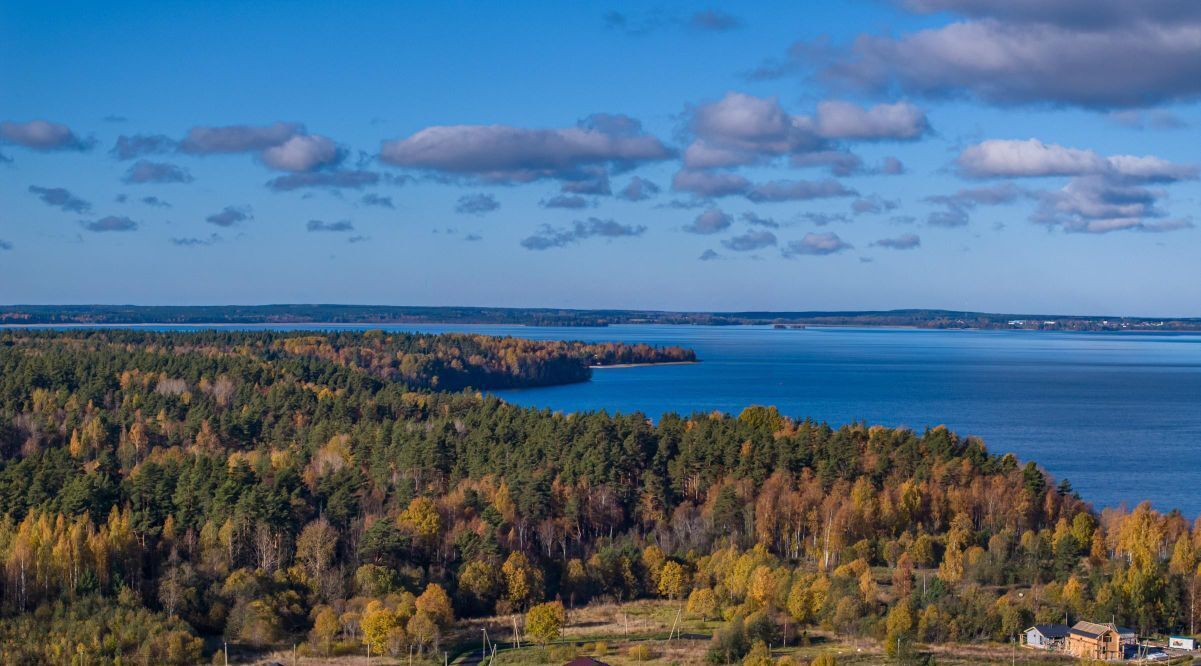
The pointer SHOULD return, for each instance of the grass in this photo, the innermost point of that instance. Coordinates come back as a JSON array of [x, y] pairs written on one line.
[[636, 633]]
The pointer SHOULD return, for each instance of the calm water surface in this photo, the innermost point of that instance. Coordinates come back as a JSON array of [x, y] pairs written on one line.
[[1119, 415]]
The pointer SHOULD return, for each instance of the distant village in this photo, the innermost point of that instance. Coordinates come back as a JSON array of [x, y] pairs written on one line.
[[1108, 642]]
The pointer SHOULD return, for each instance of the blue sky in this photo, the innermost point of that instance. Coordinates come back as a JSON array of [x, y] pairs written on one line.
[[968, 154]]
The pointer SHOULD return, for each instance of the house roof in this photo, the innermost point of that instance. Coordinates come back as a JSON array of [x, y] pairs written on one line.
[[1091, 629], [1051, 630]]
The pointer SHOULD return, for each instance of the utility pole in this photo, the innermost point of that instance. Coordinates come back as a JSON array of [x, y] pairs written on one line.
[[225, 648]]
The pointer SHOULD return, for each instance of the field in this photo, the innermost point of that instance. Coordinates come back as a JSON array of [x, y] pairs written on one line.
[[638, 633]]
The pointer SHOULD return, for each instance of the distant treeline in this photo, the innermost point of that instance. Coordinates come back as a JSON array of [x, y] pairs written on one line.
[[449, 362], [390, 314]]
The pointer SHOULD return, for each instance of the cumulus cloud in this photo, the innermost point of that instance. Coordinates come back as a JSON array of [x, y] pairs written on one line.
[[144, 171], [892, 166], [156, 202], [1068, 13], [951, 217], [565, 201], [302, 153], [873, 204], [42, 135], [1098, 204], [1105, 193], [709, 255], [1105, 54], [756, 220], [711, 221], [60, 197], [840, 162], [341, 226], [956, 207], [1031, 158], [283, 146], [1001, 193], [341, 179], [476, 204], [5, 245], [205, 140], [230, 215], [638, 189], [797, 190], [131, 146], [593, 183], [549, 237], [710, 183], [822, 219], [751, 240], [196, 242], [902, 242], [110, 223], [816, 244], [506, 154], [901, 121], [373, 199], [741, 129]]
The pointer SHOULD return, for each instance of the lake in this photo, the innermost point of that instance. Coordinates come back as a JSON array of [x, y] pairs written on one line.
[[1119, 415]]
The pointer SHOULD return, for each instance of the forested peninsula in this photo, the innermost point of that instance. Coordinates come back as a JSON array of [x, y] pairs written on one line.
[[162, 494]]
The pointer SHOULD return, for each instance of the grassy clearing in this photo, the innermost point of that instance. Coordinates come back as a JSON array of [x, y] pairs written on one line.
[[636, 633]]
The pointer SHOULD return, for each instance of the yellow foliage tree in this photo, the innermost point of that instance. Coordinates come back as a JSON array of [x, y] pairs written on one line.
[[377, 623], [544, 622], [435, 603], [701, 603], [422, 518], [672, 579], [325, 627], [523, 581]]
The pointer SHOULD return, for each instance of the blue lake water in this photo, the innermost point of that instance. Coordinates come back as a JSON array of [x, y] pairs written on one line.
[[1119, 415]]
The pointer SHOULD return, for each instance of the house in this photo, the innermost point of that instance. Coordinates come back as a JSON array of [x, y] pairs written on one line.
[[1089, 640], [1047, 636]]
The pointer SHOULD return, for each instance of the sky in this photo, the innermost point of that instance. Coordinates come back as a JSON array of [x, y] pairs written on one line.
[[991, 155]]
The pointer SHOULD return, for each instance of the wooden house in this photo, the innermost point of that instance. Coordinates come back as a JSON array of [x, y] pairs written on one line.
[[1089, 640], [1047, 637]]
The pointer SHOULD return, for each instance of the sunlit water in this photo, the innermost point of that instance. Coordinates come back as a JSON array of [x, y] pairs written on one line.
[[1119, 415]]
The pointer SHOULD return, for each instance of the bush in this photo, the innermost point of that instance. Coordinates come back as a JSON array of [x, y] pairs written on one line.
[[729, 643], [640, 652]]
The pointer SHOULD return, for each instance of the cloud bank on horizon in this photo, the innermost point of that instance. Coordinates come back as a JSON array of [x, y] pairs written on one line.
[[1000, 129]]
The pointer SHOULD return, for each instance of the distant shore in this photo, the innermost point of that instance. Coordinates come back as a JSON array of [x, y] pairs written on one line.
[[641, 365]]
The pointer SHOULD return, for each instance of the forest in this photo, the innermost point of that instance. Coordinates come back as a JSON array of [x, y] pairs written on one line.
[[162, 493]]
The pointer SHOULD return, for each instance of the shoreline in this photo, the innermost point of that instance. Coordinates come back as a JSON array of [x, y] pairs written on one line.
[[641, 365]]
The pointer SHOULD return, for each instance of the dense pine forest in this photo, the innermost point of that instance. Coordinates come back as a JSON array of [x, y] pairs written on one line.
[[163, 492]]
